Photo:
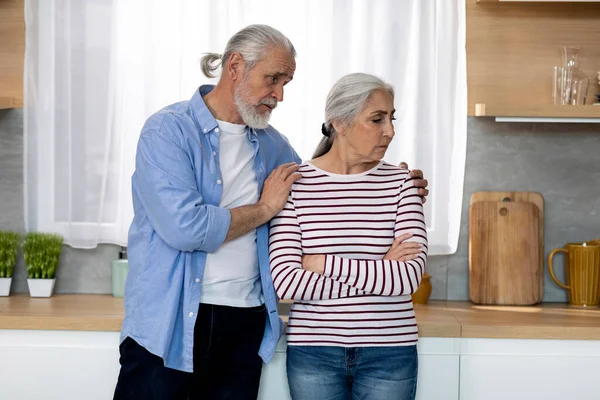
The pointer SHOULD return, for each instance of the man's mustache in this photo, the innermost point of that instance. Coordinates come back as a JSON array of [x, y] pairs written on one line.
[[270, 102]]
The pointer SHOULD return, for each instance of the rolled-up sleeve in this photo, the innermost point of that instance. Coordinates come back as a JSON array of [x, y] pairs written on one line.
[[169, 193]]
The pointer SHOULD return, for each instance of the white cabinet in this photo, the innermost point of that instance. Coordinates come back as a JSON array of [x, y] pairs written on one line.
[[438, 371], [520, 369], [439, 363], [65, 365], [273, 381], [53, 365], [58, 365]]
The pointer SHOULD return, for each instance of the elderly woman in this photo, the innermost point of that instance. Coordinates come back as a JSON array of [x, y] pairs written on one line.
[[350, 248]]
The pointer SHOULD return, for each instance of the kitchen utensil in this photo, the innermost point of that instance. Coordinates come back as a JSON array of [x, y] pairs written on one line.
[[504, 265], [582, 269], [528, 197], [570, 84]]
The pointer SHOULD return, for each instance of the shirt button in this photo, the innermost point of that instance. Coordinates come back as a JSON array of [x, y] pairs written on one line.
[[197, 280], [205, 130], [219, 181], [214, 153], [216, 129], [191, 314]]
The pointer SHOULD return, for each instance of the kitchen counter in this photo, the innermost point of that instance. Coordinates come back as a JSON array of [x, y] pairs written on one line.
[[71, 312], [545, 321], [449, 319], [462, 351]]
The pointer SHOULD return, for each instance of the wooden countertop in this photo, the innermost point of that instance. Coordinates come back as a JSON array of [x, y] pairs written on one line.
[[436, 319], [77, 312], [545, 321]]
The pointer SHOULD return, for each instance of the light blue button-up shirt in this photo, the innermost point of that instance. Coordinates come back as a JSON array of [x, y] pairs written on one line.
[[177, 220]]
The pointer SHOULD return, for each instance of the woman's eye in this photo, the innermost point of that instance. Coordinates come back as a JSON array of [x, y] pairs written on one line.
[[393, 118]]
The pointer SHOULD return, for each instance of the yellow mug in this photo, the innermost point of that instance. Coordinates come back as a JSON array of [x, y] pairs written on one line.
[[421, 295], [582, 269]]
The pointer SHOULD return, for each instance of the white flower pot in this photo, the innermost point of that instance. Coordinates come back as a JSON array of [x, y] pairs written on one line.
[[5, 286], [41, 287]]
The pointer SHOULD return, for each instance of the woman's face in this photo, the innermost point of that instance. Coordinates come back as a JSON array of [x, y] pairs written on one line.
[[372, 131]]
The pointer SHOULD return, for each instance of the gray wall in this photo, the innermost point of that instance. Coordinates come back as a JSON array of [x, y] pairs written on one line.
[[561, 161]]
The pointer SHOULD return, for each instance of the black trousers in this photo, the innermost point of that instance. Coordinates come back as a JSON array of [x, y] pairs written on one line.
[[226, 361]]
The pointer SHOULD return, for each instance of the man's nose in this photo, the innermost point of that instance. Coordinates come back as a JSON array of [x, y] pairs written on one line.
[[278, 93]]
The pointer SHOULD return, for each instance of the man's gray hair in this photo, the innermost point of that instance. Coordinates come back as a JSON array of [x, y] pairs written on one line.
[[252, 43], [346, 99]]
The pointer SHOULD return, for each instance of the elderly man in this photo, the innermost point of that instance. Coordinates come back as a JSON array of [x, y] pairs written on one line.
[[200, 308]]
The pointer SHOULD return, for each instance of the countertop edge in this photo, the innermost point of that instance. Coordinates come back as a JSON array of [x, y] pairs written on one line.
[[443, 319]]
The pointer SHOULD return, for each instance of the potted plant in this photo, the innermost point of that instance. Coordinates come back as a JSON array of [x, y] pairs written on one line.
[[9, 248], [41, 252]]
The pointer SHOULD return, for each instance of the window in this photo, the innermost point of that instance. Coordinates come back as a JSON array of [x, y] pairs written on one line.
[[96, 70]]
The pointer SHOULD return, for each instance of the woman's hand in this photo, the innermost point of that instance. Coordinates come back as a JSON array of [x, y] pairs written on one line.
[[314, 263], [403, 251]]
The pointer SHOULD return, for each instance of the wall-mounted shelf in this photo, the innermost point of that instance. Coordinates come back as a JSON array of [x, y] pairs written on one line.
[[554, 114], [484, 110], [512, 48], [10, 102], [538, 1], [553, 120], [12, 53]]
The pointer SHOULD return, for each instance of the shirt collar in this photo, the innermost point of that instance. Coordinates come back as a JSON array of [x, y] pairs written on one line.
[[204, 117]]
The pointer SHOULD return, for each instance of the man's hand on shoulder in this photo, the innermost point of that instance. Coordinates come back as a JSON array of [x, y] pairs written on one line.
[[420, 182], [277, 188]]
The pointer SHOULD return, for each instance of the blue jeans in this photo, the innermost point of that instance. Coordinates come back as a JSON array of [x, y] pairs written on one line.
[[359, 373]]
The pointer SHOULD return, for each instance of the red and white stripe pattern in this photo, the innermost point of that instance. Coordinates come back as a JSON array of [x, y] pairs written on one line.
[[361, 299]]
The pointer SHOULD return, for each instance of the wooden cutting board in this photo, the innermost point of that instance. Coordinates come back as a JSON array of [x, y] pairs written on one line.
[[504, 257], [531, 197]]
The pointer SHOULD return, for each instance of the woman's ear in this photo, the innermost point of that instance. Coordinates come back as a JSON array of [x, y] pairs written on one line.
[[338, 127]]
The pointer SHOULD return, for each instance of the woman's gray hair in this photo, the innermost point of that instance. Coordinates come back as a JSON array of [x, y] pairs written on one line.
[[345, 100], [252, 43]]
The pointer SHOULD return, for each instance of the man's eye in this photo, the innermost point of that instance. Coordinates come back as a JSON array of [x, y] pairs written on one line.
[[272, 79], [377, 120], [393, 118]]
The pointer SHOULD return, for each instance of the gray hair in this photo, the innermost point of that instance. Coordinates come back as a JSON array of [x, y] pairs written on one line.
[[345, 100], [252, 43]]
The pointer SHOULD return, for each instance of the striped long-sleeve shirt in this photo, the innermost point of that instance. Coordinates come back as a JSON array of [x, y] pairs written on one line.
[[360, 299]]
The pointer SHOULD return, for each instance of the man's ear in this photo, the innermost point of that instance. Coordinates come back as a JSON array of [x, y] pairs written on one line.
[[235, 66]]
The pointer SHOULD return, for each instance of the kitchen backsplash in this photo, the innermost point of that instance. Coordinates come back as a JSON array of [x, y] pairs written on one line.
[[561, 161]]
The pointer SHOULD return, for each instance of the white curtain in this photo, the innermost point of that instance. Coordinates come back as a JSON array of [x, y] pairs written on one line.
[[95, 70]]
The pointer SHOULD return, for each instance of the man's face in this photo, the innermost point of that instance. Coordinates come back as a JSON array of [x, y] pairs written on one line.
[[261, 88]]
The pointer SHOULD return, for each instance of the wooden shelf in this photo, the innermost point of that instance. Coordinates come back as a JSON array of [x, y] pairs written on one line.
[[10, 102], [484, 110], [512, 48], [12, 53], [538, 1]]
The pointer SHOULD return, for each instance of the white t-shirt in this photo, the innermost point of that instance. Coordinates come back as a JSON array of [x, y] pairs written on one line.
[[231, 276]]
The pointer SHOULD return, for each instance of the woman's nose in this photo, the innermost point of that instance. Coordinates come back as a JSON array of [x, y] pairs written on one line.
[[388, 130]]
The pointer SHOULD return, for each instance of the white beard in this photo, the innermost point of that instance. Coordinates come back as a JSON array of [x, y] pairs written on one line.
[[248, 112]]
